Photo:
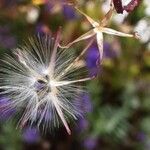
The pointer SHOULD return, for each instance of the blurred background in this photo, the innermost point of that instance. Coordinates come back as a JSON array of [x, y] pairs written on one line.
[[117, 106]]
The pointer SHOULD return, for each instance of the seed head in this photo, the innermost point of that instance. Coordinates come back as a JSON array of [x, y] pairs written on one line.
[[43, 82]]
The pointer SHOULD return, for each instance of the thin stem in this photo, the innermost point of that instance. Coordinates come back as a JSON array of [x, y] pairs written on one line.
[[114, 32], [75, 61], [60, 113], [82, 37], [93, 23], [108, 15], [62, 83], [53, 57]]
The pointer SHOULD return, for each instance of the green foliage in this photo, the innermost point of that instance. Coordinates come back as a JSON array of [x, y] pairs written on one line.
[[10, 137]]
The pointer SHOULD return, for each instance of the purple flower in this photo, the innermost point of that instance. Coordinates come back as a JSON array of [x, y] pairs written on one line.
[[42, 29], [48, 6], [90, 143], [31, 135], [108, 51], [8, 3], [69, 12], [84, 104], [91, 60], [6, 108], [92, 56], [6, 39], [141, 136], [82, 125]]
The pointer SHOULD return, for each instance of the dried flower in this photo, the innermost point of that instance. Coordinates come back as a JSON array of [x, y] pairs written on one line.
[[98, 30], [129, 7], [118, 6], [43, 81], [91, 59], [132, 5], [7, 40]]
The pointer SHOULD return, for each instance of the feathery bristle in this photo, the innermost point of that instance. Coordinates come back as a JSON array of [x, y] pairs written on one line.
[[42, 81]]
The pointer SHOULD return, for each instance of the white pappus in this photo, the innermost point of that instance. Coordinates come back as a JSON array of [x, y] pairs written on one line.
[[42, 81]]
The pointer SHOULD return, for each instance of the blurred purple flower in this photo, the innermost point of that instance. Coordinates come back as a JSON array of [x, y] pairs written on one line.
[[108, 51], [6, 108], [91, 60], [85, 104], [48, 7], [93, 55], [42, 29], [8, 3], [141, 136], [82, 125], [31, 135], [6, 39], [90, 143], [69, 12]]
